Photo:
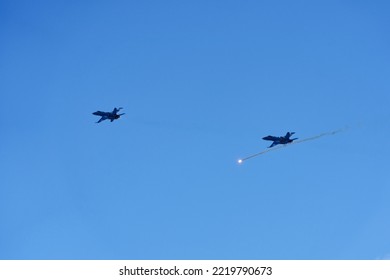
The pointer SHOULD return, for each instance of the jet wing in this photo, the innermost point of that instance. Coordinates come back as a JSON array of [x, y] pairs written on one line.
[[102, 119], [271, 138]]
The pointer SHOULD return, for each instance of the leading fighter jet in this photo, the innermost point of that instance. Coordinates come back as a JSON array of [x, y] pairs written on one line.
[[109, 115], [280, 140]]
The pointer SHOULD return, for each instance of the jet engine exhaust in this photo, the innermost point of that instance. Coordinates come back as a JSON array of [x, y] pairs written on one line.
[[240, 161]]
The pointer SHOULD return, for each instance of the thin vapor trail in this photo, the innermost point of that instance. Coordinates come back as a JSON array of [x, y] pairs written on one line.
[[295, 142]]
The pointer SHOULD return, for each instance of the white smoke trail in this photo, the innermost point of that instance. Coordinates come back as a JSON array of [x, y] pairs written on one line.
[[295, 142]]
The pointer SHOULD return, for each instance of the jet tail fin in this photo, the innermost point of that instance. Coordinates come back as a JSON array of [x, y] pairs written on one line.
[[289, 134]]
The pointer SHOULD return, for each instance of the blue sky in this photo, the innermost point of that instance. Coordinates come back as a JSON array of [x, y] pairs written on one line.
[[201, 82]]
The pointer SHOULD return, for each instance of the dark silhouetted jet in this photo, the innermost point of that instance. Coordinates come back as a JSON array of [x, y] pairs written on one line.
[[109, 115], [280, 140]]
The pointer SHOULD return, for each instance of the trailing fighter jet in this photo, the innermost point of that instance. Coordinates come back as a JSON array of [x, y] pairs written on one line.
[[280, 140], [109, 115]]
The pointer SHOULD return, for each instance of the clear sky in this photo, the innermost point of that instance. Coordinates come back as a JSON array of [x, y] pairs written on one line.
[[201, 82]]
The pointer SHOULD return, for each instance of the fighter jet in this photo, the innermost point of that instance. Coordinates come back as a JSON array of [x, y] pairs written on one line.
[[280, 140], [109, 115]]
